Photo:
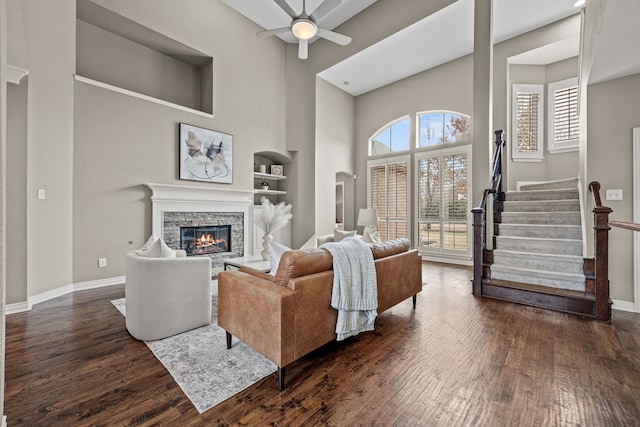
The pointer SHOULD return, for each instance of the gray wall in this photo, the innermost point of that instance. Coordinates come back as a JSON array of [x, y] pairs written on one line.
[[613, 111], [334, 149], [51, 53], [16, 200]]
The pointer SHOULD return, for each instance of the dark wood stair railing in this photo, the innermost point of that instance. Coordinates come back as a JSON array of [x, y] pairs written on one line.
[[480, 216]]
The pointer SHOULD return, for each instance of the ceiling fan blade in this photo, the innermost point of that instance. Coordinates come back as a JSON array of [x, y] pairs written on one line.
[[273, 32], [285, 6], [325, 7], [303, 49], [340, 39]]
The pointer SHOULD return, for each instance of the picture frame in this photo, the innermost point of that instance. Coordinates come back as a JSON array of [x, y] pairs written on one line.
[[277, 170], [205, 155]]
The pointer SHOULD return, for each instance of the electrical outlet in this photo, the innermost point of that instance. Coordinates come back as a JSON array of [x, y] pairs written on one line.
[[102, 262], [42, 194]]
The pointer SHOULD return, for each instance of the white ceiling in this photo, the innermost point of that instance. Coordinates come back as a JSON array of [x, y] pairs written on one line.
[[445, 36]]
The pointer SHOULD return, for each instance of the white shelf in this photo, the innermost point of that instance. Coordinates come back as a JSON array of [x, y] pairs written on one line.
[[269, 176], [272, 192]]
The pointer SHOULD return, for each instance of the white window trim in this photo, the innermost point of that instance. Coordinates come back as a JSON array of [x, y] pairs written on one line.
[[515, 154], [563, 147]]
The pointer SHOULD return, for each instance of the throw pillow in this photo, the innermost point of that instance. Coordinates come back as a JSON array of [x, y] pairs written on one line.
[[158, 249], [311, 243], [370, 237], [275, 253], [339, 234]]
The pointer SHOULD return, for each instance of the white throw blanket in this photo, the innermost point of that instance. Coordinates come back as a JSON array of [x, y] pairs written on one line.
[[355, 288]]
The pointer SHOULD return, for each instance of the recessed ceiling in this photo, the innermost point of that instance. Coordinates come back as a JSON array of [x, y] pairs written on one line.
[[439, 38]]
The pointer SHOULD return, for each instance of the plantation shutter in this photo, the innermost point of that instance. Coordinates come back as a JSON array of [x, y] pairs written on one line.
[[388, 193], [527, 121], [566, 124]]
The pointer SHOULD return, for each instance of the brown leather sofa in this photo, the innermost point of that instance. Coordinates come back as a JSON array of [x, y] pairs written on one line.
[[286, 316]]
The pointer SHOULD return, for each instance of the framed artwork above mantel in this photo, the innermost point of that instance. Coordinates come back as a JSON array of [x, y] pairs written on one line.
[[205, 155]]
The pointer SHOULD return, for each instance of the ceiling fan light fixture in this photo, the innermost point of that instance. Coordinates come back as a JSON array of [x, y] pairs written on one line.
[[304, 29]]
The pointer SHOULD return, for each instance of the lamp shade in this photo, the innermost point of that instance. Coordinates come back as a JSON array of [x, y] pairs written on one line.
[[368, 217]]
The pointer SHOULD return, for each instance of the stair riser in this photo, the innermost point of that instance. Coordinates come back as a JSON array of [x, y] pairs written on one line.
[[563, 218], [542, 206], [557, 232], [553, 185], [541, 195], [539, 262], [541, 246], [577, 285]]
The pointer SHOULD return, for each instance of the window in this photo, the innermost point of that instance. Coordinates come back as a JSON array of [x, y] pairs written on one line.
[[564, 123], [436, 128], [388, 181], [392, 138], [527, 122], [443, 194]]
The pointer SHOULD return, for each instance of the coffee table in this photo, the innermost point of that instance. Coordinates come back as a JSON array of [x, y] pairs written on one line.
[[254, 261]]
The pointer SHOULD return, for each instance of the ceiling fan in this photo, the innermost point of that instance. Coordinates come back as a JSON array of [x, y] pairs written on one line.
[[304, 26]]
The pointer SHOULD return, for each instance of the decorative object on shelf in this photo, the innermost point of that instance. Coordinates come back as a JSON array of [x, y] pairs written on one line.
[[269, 219], [277, 170], [205, 155], [368, 218], [263, 169], [264, 184]]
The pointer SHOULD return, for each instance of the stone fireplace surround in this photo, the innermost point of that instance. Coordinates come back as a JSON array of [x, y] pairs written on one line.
[[172, 205]]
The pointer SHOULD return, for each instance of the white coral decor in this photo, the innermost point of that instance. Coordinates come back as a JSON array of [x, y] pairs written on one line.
[[273, 217]]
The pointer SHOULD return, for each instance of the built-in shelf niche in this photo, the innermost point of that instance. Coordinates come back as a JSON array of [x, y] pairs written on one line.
[[277, 183], [116, 51]]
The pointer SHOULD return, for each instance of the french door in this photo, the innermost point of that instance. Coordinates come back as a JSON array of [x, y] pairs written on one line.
[[442, 197]]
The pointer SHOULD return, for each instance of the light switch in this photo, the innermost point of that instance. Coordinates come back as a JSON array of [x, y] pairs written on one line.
[[41, 194], [614, 194]]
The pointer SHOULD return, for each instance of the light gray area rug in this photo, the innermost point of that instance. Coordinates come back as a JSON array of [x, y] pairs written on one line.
[[202, 366]]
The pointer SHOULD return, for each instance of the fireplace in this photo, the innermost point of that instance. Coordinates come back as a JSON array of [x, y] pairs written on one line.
[[204, 240]]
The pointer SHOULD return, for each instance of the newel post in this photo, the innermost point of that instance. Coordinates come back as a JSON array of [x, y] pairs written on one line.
[[478, 257], [601, 242]]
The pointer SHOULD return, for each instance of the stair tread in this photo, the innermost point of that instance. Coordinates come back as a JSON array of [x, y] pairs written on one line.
[[538, 238], [509, 252]]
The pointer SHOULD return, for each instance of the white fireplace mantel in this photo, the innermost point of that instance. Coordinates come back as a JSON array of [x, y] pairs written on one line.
[[184, 198]]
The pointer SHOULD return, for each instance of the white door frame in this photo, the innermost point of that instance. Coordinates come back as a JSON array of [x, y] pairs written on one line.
[[636, 219]]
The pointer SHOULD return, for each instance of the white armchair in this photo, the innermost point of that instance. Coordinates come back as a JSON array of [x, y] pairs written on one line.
[[166, 296]]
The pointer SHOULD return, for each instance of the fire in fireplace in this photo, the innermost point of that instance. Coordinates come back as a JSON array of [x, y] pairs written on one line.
[[205, 240]]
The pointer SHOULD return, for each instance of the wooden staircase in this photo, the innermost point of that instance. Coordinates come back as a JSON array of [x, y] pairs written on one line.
[[536, 251]]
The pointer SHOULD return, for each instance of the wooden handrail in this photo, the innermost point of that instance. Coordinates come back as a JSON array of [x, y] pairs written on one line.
[[594, 187], [626, 225]]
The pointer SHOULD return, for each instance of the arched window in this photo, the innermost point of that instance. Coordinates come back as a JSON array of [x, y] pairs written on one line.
[[392, 138], [420, 182], [442, 127]]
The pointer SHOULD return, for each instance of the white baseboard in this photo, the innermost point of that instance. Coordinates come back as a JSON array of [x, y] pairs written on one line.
[[54, 293], [624, 306], [4, 421]]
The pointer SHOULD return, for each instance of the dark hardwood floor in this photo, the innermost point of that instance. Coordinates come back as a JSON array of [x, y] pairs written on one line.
[[455, 361]]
